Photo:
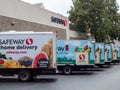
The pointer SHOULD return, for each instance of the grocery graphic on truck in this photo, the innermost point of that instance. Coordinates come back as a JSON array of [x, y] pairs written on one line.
[[108, 53], [27, 50], [77, 52], [99, 53], [115, 52]]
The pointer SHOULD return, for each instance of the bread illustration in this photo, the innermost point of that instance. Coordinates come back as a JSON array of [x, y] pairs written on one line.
[[86, 49], [48, 49], [50, 43]]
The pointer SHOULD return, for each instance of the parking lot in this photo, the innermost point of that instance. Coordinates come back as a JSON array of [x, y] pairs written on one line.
[[100, 79]]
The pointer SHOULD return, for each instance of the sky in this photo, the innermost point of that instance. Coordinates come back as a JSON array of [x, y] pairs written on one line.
[[58, 6]]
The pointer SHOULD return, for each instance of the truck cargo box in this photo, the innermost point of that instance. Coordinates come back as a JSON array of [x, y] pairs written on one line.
[[75, 53], [108, 53], [115, 54], [27, 51], [99, 53]]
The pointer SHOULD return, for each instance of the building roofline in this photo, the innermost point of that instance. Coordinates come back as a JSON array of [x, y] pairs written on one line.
[[32, 5]]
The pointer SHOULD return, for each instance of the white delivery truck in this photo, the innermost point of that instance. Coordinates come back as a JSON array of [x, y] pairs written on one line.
[[108, 54], [27, 54], [99, 54], [115, 54], [74, 55]]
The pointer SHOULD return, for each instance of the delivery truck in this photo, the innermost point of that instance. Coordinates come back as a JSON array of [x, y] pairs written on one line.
[[115, 54], [74, 55], [99, 54], [108, 54], [27, 54]]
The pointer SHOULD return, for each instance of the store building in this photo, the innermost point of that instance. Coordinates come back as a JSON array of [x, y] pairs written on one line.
[[20, 16]]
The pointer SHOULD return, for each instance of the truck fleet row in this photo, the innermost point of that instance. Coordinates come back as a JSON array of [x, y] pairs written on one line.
[[84, 54], [29, 54]]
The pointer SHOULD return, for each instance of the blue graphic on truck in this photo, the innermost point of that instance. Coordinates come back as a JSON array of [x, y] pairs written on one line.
[[78, 52]]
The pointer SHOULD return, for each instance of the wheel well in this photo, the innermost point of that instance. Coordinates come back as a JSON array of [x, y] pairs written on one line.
[[67, 66], [60, 68], [32, 71], [67, 69]]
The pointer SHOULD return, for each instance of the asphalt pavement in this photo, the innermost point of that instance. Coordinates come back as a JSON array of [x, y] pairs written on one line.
[[100, 79]]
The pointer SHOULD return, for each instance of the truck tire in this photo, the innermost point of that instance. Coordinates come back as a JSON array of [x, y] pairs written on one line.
[[24, 75], [67, 70]]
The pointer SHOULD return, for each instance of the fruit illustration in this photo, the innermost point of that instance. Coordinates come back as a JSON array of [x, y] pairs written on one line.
[[2, 62], [12, 64], [42, 56]]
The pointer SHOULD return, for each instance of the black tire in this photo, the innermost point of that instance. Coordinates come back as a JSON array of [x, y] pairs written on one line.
[[24, 75], [67, 70], [101, 66]]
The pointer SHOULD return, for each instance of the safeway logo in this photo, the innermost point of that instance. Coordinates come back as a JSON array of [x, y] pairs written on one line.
[[66, 48], [29, 41], [59, 20], [82, 56], [65, 22]]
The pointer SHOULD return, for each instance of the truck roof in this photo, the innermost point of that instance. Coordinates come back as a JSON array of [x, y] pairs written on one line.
[[25, 32]]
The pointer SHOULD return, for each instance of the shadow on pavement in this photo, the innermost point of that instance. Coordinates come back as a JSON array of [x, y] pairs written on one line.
[[79, 73], [38, 80], [46, 80], [8, 80]]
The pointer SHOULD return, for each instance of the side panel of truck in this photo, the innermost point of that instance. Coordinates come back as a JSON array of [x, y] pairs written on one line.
[[99, 53], [119, 53], [115, 53], [75, 52], [117, 48], [28, 51], [108, 53]]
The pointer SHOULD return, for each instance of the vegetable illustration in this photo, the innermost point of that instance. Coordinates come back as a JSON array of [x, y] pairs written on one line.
[[84, 49]]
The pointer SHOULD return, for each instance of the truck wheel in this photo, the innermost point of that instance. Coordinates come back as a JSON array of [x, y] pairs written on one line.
[[67, 70], [24, 75]]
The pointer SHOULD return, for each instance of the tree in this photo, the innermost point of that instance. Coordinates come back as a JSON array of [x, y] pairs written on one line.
[[99, 17], [114, 20]]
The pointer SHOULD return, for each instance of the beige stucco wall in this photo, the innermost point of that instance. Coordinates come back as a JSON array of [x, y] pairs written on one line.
[[76, 35], [24, 11], [21, 25]]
